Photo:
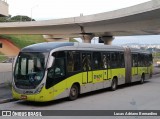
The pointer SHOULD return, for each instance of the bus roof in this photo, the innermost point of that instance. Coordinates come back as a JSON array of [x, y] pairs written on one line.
[[45, 47], [48, 46]]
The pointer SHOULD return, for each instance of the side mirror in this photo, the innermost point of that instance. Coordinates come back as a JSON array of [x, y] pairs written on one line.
[[50, 61]]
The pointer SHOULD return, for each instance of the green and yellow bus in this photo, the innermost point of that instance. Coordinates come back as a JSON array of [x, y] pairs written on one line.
[[50, 71]]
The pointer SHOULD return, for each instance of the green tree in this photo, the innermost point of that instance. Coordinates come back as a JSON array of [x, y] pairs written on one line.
[[21, 18], [18, 18], [3, 19]]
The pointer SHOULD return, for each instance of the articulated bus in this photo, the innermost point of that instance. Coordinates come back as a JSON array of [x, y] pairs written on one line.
[[50, 71]]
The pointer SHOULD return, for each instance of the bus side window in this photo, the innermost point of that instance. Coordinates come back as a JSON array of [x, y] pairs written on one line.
[[140, 60], [77, 61], [115, 60], [109, 60], [121, 60], [144, 60], [73, 61], [150, 59], [104, 60], [134, 60], [70, 62], [97, 63], [59, 68]]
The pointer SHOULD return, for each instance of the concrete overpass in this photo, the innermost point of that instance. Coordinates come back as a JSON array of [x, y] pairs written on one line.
[[3, 8], [142, 19]]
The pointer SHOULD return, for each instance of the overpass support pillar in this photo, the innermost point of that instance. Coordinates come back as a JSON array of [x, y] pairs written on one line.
[[86, 38], [107, 39]]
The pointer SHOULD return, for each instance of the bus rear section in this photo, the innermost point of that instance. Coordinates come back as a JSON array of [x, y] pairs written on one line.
[[138, 64]]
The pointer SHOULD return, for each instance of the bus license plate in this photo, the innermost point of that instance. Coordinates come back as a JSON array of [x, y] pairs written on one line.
[[23, 97]]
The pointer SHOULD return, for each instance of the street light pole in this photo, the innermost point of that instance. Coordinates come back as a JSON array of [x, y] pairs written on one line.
[[31, 14], [32, 10]]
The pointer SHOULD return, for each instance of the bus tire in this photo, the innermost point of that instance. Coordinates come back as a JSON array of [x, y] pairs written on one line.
[[142, 79], [74, 92], [114, 84]]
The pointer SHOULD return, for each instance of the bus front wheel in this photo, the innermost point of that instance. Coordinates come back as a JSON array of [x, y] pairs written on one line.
[[114, 84], [74, 91]]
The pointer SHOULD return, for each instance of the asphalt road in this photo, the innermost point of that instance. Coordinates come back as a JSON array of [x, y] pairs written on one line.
[[134, 97]]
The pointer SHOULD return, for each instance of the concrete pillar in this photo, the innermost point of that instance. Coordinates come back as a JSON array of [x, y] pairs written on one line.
[[4, 8], [107, 39], [87, 38]]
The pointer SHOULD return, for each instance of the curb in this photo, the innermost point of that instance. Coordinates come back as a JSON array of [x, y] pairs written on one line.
[[7, 100]]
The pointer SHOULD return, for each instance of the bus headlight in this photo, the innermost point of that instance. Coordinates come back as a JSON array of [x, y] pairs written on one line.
[[39, 88]]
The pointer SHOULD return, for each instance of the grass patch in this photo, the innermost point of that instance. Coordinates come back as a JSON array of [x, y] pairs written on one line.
[[72, 40], [2, 57], [22, 41]]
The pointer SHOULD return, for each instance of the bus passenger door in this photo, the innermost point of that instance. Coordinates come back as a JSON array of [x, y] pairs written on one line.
[[107, 71], [87, 70], [106, 66], [135, 67]]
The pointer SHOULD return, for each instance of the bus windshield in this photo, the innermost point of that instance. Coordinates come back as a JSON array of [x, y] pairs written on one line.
[[29, 69]]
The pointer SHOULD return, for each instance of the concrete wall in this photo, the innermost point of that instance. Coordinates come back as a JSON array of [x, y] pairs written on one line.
[[5, 73], [5, 77], [3, 8], [5, 67]]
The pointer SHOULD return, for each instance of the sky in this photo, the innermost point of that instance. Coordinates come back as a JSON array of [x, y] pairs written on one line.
[[55, 9]]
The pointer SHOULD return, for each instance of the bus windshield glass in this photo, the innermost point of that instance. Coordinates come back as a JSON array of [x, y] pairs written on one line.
[[29, 69]]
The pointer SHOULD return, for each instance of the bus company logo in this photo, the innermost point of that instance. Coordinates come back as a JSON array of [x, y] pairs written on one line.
[[6, 113], [98, 77], [21, 113]]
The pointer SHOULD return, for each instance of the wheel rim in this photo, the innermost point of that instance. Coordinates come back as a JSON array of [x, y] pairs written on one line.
[[73, 92], [142, 80], [114, 84]]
